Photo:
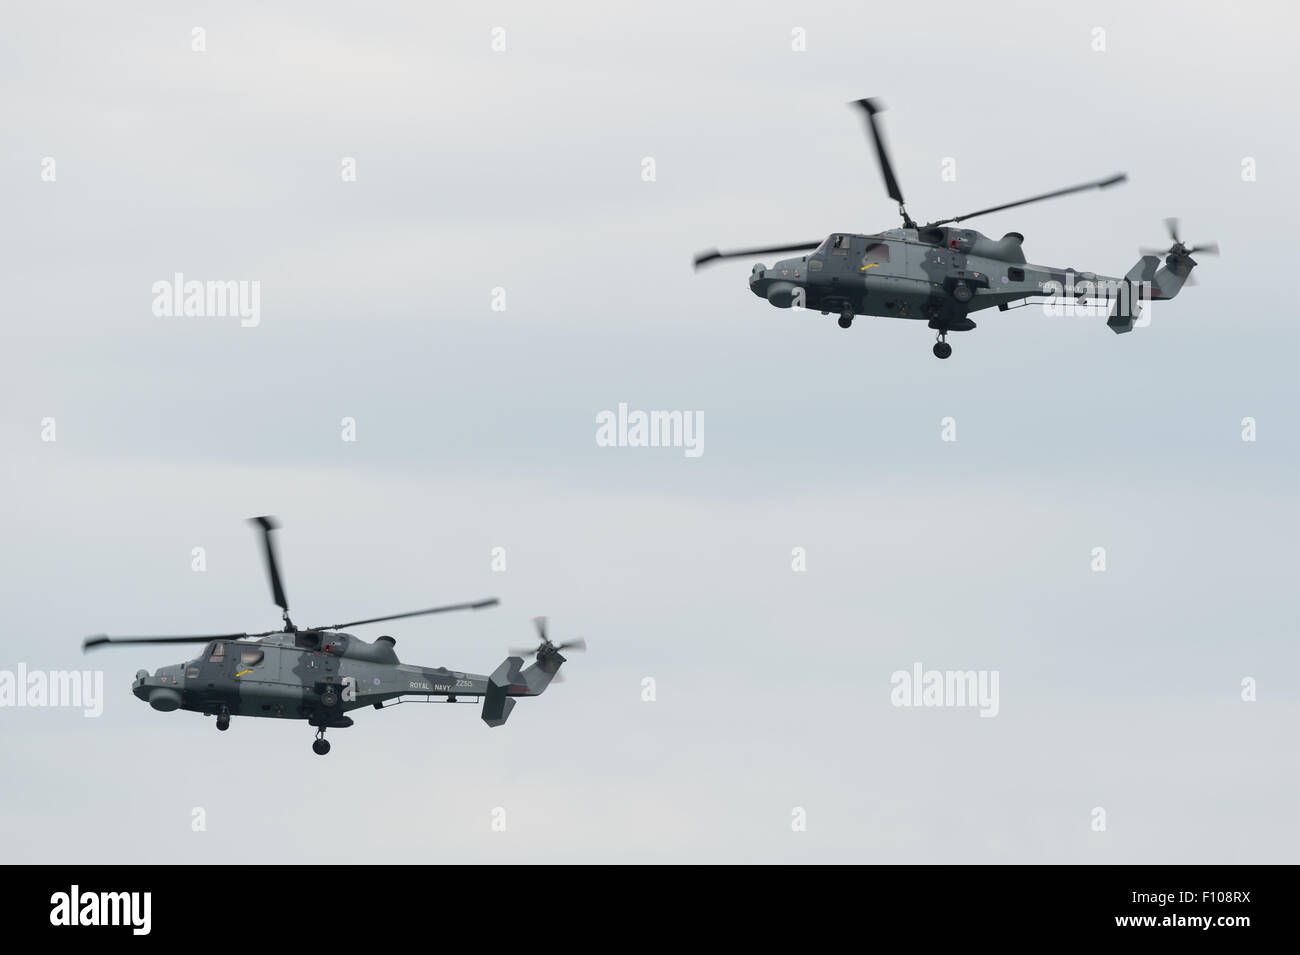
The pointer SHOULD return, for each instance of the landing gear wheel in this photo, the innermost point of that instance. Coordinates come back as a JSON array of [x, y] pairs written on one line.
[[846, 321], [942, 349], [963, 293], [320, 746], [223, 721]]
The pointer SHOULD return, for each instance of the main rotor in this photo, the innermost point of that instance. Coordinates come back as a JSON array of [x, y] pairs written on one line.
[[267, 525], [870, 108]]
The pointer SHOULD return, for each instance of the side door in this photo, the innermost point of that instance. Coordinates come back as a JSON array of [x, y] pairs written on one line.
[[212, 677], [256, 664], [840, 273]]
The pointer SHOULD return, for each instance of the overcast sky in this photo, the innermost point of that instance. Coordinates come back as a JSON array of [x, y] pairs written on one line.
[[522, 170]]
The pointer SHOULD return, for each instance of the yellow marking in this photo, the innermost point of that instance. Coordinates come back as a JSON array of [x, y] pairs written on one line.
[[873, 265], [243, 672]]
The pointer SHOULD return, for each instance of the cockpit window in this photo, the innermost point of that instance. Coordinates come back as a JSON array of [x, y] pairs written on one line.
[[250, 656], [218, 653], [840, 245]]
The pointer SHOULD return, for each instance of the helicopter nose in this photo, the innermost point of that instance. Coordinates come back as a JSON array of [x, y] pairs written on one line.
[[160, 692], [774, 284]]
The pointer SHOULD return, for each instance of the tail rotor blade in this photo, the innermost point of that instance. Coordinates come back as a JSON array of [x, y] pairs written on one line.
[[579, 644], [1171, 224], [540, 624]]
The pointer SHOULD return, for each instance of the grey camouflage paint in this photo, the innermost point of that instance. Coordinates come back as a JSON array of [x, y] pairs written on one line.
[[919, 275], [319, 676]]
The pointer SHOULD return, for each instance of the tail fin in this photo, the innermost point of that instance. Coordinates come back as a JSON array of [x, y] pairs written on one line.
[[510, 680], [1128, 303], [1163, 284]]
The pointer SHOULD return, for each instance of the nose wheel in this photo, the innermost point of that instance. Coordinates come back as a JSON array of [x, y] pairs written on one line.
[[223, 720], [320, 745], [846, 317], [941, 348]]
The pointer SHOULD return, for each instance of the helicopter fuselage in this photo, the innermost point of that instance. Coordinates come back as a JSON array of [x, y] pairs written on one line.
[[937, 274], [942, 273], [319, 676]]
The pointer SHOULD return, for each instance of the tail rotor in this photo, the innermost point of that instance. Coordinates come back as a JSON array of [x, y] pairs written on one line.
[[1178, 257], [546, 651], [1178, 248]]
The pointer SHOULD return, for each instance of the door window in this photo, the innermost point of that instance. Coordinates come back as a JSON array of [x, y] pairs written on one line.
[[876, 253]]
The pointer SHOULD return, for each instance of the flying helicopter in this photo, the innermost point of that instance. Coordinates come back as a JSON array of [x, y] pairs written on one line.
[[319, 674], [941, 273]]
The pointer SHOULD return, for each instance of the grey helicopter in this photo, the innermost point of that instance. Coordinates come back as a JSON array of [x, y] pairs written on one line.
[[940, 273], [320, 674]]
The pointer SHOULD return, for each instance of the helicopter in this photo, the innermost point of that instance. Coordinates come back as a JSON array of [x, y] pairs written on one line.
[[319, 674], [941, 273]]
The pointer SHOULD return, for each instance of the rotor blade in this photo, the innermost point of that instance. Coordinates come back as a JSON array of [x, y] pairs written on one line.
[[1097, 184], [1171, 224], [1210, 249], [101, 639], [476, 605], [540, 624], [871, 107], [522, 651], [268, 524], [711, 255], [579, 644]]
